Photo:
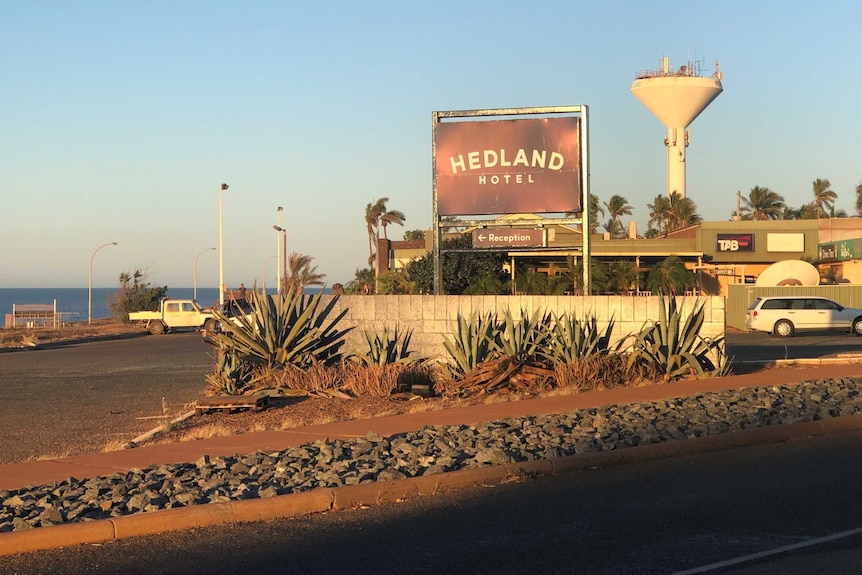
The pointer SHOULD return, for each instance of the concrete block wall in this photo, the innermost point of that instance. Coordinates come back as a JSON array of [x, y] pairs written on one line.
[[431, 317]]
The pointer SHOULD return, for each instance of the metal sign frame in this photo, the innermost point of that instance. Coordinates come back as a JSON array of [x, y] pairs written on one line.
[[582, 112]]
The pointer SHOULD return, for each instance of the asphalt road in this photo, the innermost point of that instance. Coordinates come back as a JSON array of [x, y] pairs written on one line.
[[761, 346], [94, 393], [666, 516]]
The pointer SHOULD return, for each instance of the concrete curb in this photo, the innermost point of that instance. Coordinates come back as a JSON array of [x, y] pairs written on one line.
[[353, 496]]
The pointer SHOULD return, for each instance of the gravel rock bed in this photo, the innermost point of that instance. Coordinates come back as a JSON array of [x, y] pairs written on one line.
[[427, 451]]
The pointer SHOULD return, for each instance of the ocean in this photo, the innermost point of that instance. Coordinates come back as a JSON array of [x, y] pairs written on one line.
[[74, 301]]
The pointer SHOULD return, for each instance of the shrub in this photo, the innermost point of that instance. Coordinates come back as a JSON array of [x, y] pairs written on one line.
[[135, 294]]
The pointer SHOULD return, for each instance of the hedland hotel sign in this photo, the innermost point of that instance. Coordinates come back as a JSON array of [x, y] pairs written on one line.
[[508, 166]]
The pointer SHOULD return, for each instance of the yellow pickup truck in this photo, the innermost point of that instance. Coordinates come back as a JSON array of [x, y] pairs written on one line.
[[175, 314]]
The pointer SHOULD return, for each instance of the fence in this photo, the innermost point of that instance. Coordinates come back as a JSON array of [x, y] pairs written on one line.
[[431, 317], [37, 315]]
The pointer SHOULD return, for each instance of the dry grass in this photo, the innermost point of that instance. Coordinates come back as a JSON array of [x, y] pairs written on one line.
[[593, 373]]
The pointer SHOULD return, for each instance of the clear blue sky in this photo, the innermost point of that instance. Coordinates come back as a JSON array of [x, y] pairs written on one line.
[[121, 119]]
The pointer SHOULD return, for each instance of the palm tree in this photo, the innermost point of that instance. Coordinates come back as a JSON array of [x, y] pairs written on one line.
[[531, 282], [391, 217], [659, 213], [373, 211], [301, 273], [617, 206], [824, 197], [595, 208], [395, 282], [485, 284], [413, 235], [763, 204], [669, 277], [839, 213], [806, 212], [683, 212], [622, 277]]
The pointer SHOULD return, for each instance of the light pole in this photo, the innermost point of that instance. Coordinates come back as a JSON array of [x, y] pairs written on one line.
[[90, 282], [221, 247], [196, 270], [284, 259], [278, 245]]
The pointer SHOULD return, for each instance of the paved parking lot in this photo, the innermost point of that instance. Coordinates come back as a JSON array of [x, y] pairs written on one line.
[[761, 346]]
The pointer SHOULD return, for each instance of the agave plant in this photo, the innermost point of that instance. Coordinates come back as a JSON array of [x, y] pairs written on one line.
[[291, 330], [526, 336], [673, 345], [386, 348], [231, 375], [571, 339], [474, 340]]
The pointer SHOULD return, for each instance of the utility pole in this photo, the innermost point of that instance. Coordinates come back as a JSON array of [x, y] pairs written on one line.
[[738, 201]]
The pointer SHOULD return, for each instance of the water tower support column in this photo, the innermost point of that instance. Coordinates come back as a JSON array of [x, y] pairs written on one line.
[[676, 142]]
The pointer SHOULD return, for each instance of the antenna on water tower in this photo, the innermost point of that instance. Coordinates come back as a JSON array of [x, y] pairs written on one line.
[[676, 98]]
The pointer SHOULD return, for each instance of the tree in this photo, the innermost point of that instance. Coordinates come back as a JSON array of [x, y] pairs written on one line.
[[805, 212], [683, 212], [458, 267], [659, 213], [414, 235], [859, 200], [395, 282], [824, 197], [373, 211], [391, 217], [486, 284], [376, 216], [839, 213], [669, 277], [622, 277], [598, 275], [617, 206], [763, 204], [136, 294], [361, 279], [300, 272], [595, 208]]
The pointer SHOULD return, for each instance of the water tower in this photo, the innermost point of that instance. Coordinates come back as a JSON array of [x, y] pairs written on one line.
[[676, 97]]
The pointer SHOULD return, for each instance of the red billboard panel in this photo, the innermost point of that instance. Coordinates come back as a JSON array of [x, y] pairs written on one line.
[[508, 166]]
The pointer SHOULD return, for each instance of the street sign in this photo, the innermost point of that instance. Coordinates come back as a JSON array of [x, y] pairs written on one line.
[[508, 238]]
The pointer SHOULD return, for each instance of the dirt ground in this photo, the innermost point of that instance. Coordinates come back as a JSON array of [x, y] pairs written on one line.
[[21, 337], [284, 413]]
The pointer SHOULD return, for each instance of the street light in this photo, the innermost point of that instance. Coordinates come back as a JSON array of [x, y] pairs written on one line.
[[196, 270], [90, 282], [284, 259], [221, 247], [278, 245]]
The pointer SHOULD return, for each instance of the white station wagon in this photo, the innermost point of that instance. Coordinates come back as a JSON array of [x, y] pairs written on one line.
[[784, 315]]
